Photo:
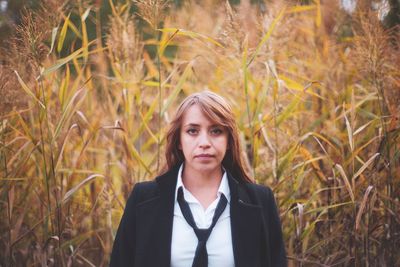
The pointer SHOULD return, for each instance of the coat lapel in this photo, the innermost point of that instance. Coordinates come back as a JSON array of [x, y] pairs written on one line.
[[245, 225]]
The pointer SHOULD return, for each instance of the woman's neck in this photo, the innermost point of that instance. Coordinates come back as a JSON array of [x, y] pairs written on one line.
[[203, 185]]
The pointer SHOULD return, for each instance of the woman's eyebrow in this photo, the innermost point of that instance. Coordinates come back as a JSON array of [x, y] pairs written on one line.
[[192, 124], [198, 125]]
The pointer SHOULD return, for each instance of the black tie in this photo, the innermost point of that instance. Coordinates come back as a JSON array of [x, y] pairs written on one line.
[[200, 256]]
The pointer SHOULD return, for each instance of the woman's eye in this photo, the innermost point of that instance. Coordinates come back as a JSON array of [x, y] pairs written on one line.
[[191, 131], [216, 131]]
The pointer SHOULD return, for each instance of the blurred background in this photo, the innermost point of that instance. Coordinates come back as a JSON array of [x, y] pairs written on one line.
[[87, 89]]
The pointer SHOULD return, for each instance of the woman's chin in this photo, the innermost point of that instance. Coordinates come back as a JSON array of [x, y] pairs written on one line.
[[206, 167]]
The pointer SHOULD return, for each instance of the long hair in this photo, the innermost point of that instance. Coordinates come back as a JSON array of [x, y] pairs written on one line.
[[218, 110]]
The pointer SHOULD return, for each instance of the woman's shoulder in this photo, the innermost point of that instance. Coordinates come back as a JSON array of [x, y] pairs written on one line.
[[262, 193], [145, 186], [260, 189], [145, 190], [141, 192]]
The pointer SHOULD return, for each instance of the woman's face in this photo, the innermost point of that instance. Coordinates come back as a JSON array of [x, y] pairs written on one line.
[[202, 142]]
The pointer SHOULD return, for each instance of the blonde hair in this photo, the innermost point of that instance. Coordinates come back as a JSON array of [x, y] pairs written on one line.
[[218, 110]]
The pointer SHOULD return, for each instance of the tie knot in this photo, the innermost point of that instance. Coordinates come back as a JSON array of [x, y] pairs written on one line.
[[202, 234]]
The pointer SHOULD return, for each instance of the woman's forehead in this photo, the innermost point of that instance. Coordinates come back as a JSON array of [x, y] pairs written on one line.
[[197, 113]]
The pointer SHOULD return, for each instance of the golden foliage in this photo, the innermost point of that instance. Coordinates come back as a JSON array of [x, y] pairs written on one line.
[[316, 92]]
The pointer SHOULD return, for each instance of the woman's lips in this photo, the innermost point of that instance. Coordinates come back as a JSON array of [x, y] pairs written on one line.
[[204, 156]]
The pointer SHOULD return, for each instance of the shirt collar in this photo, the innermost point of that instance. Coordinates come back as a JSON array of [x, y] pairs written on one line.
[[222, 189]]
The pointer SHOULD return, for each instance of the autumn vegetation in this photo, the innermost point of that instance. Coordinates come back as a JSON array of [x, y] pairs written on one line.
[[86, 96]]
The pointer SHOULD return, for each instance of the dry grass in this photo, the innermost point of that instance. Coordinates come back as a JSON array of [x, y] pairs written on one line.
[[316, 92]]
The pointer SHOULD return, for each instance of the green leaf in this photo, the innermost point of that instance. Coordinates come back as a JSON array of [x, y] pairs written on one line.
[[288, 111], [61, 62], [63, 33]]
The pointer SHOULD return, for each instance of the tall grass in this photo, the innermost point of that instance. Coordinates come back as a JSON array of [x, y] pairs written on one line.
[[316, 92]]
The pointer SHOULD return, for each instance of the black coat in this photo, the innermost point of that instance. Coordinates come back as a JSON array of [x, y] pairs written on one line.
[[144, 235]]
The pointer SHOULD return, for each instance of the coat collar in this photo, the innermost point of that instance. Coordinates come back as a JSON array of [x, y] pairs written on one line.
[[157, 215]]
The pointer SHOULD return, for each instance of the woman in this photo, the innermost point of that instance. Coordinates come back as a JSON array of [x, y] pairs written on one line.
[[205, 210]]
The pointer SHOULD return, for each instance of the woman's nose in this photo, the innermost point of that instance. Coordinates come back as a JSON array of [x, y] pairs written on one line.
[[204, 140]]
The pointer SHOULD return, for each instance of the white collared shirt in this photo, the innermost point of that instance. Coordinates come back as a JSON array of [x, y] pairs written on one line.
[[184, 240]]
